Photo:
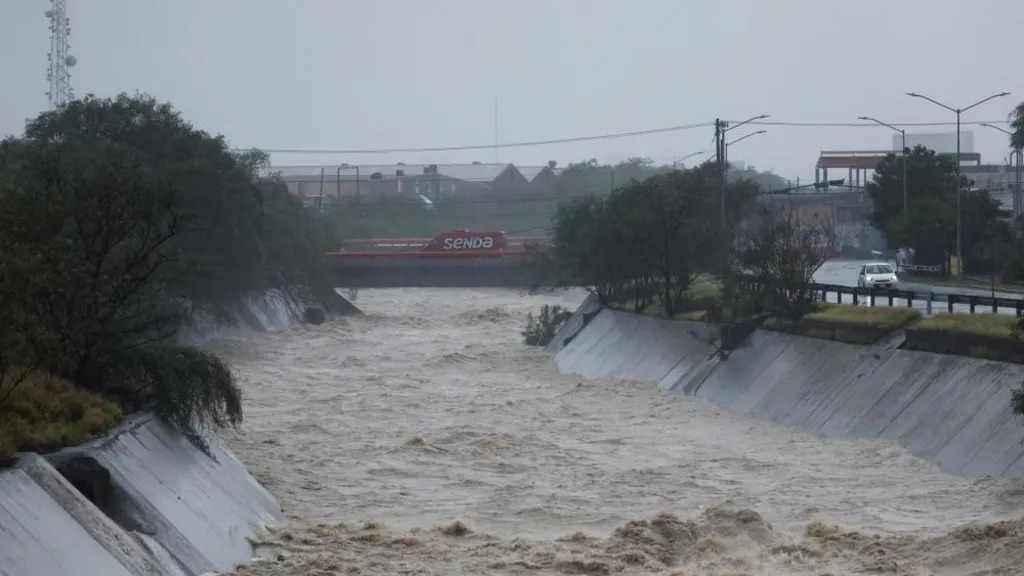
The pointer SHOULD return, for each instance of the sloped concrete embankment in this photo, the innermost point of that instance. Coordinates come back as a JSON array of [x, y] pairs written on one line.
[[276, 310], [953, 410], [143, 501]]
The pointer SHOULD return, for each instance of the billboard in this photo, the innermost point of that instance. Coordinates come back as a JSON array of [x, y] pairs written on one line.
[[941, 142]]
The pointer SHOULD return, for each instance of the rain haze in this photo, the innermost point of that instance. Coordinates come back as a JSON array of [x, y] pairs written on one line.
[[350, 75], [579, 356]]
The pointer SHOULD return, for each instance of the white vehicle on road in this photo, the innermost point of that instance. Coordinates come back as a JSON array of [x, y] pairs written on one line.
[[877, 275]]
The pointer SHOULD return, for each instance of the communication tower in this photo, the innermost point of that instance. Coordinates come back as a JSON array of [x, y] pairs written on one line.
[[61, 62]]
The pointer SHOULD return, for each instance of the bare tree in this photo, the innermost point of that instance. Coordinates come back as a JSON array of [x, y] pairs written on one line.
[[781, 252]]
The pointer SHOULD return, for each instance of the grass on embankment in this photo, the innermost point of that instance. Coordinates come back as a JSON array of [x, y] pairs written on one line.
[[847, 323], [840, 322], [976, 284], [886, 317], [995, 325], [45, 413], [702, 295], [988, 336]]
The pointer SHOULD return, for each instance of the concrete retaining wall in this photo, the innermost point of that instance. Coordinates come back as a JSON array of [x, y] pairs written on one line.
[[276, 310], [142, 501], [953, 410]]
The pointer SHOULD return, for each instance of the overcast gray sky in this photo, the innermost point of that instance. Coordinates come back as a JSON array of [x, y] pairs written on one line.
[[368, 74]]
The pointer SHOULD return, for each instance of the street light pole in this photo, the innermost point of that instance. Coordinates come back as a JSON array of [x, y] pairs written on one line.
[[721, 147], [725, 159], [905, 159], [1016, 156], [959, 187], [731, 142], [675, 163]]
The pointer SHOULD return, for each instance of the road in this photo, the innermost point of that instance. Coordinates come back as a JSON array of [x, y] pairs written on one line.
[[844, 273]]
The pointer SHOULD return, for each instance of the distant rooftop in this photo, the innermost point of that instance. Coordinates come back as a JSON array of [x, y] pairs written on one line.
[[868, 159], [467, 172], [531, 172]]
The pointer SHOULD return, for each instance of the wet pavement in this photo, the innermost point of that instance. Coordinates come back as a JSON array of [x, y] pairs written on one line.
[[844, 273]]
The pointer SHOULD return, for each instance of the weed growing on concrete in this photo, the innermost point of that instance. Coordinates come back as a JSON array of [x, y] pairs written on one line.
[[540, 330]]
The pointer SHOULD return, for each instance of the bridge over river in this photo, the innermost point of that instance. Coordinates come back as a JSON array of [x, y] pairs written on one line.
[[456, 259], [469, 270]]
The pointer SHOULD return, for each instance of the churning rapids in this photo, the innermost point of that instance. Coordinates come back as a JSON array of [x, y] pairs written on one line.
[[426, 438]]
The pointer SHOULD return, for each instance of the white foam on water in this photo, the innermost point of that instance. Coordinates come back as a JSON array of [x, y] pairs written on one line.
[[426, 438]]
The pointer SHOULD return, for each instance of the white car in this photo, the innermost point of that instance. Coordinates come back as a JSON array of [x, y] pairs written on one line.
[[878, 275]]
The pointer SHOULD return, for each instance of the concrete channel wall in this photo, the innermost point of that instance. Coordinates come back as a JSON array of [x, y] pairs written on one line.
[[143, 500], [271, 312], [953, 410]]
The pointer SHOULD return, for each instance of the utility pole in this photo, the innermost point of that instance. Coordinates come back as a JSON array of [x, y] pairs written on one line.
[[721, 153], [722, 150], [727, 286], [720, 160]]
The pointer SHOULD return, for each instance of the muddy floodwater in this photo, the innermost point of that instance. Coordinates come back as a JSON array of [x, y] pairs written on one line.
[[425, 438]]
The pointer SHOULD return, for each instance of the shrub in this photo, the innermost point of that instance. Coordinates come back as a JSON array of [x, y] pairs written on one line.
[[1017, 401], [189, 388], [121, 221], [44, 413], [539, 331], [782, 252]]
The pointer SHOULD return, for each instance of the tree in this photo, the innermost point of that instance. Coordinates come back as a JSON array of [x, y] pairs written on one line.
[[94, 235], [664, 222], [120, 223], [1017, 125], [766, 180], [591, 178], [781, 252], [649, 239], [16, 358], [929, 223], [243, 232], [583, 253]]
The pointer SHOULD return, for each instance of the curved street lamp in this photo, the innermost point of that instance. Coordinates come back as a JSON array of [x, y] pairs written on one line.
[[745, 137], [677, 161], [957, 111], [720, 129], [1018, 159], [905, 157]]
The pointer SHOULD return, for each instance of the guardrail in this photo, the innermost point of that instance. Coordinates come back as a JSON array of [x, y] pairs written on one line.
[[896, 297], [918, 268]]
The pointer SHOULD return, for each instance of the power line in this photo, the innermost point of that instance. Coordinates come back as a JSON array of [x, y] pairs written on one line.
[[492, 146], [864, 124], [349, 204], [611, 136], [451, 202]]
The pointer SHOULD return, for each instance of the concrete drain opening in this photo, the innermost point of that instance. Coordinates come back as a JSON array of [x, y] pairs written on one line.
[[93, 481]]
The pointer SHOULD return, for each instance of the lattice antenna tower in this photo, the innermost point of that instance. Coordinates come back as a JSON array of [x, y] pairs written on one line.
[[61, 62]]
